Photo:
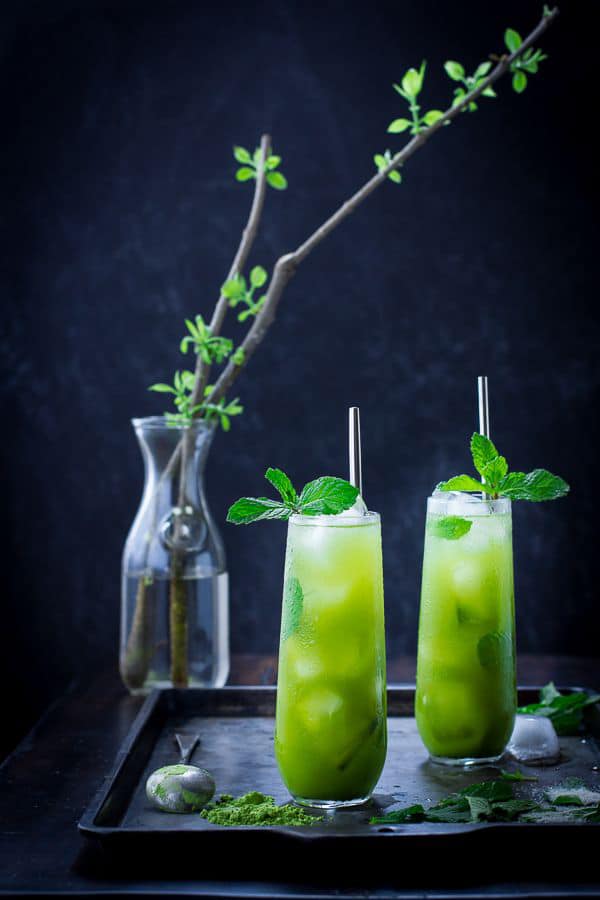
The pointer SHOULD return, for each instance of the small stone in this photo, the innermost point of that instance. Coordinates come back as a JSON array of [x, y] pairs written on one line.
[[180, 788]]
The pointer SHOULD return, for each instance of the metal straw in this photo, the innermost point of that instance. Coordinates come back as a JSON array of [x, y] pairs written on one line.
[[484, 409], [484, 413], [354, 447]]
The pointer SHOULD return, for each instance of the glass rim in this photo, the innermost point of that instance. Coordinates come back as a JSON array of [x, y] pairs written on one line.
[[332, 521], [469, 504], [158, 422]]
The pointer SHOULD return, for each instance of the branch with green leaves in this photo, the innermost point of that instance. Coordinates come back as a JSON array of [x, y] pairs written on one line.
[[497, 481], [421, 128]]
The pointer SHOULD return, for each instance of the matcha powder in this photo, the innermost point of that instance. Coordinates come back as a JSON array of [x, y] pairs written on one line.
[[255, 809]]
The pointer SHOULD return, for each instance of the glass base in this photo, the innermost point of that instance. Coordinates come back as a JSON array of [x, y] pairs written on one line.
[[466, 762], [331, 804]]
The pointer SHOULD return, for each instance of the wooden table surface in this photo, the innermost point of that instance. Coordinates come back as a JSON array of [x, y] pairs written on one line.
[[47, 782]]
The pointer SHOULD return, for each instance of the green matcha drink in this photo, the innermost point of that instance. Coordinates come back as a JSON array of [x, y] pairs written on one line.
[[466, 690], [466, 687], [330, 738]]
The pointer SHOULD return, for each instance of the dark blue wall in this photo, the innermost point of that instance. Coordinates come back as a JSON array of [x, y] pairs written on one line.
[[121, 216]]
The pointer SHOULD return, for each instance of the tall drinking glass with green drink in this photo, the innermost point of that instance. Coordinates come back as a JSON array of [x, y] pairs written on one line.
[[330, 732], [466, 682]]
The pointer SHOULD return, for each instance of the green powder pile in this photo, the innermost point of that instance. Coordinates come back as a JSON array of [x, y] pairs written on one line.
[[255, 809]]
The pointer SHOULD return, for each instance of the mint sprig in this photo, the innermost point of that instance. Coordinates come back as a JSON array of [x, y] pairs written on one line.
[[497, 481], [325, 496], [565, 711]]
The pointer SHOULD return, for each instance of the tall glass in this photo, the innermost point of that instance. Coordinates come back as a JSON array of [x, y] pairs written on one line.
[[466, 683], [330, 734]]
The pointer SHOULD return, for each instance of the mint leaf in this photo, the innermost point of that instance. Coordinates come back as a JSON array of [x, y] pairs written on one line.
[[516, 776], [415, 813], [462, 483], [482, 451], [293, 603], [511, 809], [326, 496], [492, 648], [549, 693], [564, 710], [494, 472], [282, 483], [479, 808], [535, 486], [253, 509], [449, 527]]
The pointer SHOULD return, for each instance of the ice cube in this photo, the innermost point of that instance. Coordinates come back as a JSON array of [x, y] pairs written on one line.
[[359, 508], [320, 707], [534, 741]]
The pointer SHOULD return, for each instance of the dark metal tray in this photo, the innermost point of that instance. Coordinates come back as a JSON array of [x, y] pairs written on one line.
[[236, 729]]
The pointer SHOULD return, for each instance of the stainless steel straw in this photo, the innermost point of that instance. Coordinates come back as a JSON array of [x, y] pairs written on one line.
[[484, 409], [354, 447], [484, 413]]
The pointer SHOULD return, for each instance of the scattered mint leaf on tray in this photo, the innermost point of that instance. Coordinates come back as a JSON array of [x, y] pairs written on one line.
[[516, 776], [497, 481], [564, 710], [326, 495]]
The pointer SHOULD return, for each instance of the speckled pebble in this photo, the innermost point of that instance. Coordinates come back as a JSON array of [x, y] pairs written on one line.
[[180, 788]]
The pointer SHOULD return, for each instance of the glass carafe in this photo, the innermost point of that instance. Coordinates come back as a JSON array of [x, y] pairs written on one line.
[[175, 596]]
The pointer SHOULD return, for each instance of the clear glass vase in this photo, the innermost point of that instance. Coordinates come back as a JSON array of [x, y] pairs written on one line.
[[175, 594]]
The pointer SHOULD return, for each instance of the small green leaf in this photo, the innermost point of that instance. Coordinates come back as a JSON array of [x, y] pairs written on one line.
[[162, 389], [433, 116], [273, 162], [245, 174], [482, 69], [519, 82], [398, 126], [482, 451], [479, 808], [512, 39], [277, 180], [283, 485], [242, 155], [253, 509], [489, 92], [451, 528], [238, 357], [413, 81], [258, 276], [395, 176], [454, 70]]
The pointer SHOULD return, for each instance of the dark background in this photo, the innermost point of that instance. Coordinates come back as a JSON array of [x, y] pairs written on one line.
[[120, 217]]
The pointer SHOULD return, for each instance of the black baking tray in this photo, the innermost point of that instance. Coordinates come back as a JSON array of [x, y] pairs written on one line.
[[236, 727]]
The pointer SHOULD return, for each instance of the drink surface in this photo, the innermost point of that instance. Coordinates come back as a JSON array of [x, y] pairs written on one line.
[[466, 688], [330, 737]]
